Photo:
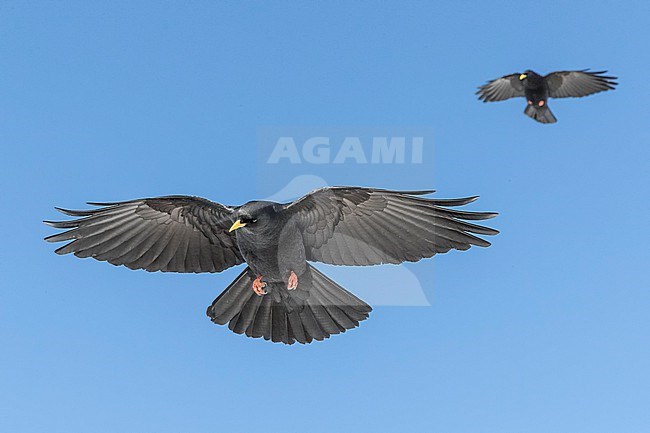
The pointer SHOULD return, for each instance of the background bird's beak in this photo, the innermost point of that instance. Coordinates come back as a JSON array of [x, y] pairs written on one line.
[[522, 76], [238, 224]]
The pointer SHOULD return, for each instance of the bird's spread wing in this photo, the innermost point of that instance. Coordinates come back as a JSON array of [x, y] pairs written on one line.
[[363, 226], [506, 87], [576, 84], [169, 234]]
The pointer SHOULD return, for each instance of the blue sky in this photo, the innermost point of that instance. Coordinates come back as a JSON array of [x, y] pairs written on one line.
[[546, 330]]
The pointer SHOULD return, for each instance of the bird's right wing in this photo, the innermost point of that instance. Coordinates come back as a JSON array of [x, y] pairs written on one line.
[[169, 234], [503, 88], [365, 226]]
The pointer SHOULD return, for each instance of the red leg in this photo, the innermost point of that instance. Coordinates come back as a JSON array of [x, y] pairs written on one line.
[[530, 102], [293, 281], [540, 103], [258, 286]]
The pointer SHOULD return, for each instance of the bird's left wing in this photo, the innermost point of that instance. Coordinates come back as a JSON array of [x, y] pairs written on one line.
[[364, 226], [576, 84], [169, 234], [503, 88]]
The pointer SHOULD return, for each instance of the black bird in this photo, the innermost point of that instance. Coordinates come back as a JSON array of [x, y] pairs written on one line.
[[279, 296], [537, 89]]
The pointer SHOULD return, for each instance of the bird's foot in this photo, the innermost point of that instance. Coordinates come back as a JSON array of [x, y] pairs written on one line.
[[292, 284], [540, 103], [258, 286], [530, 102]]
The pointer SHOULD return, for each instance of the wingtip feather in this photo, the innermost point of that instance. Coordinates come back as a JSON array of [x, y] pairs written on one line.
[[71, 212]]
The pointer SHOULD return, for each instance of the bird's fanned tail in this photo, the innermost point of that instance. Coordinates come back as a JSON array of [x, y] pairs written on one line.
[[541, 114], [317, 309]]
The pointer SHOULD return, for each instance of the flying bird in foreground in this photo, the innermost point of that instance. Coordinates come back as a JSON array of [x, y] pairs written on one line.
[[537, 89], [279, 296]]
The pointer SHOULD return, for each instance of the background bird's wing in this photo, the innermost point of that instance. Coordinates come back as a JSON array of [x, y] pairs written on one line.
[[506, 87], [576, 84], [363, 226], [169, 234]]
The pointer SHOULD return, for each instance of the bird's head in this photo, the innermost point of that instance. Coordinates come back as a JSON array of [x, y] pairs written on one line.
[[528, 74], [254, 215]]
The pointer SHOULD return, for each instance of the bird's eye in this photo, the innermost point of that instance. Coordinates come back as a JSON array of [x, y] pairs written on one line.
[[254, 220]]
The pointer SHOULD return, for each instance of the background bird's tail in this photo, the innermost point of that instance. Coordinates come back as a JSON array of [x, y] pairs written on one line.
[[541, 114], [317, 309]]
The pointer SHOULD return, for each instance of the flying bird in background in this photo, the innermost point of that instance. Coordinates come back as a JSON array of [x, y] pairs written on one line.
[[537, 89], [279, 296]]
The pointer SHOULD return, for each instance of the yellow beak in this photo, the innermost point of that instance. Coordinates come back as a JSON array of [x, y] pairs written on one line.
[[237, 225], [522, 76]]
